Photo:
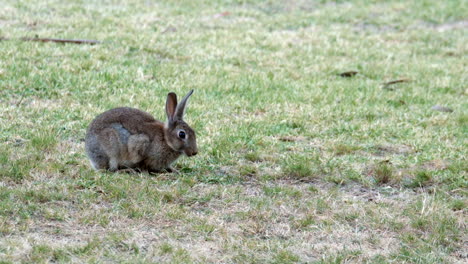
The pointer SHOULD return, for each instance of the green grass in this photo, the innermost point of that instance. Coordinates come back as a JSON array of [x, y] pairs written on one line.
[[296, 163]]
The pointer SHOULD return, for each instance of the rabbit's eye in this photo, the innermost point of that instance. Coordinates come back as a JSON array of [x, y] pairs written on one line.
[[182, 134]]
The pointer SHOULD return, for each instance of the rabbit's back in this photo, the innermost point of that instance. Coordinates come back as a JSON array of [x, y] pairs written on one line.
[[132, 119]]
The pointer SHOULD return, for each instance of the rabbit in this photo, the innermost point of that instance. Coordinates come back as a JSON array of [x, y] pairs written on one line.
[[128, 138]]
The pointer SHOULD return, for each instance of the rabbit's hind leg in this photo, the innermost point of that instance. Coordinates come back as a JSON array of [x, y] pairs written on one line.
[[110, 143], [99, 161], [137, 147], [97, 157]]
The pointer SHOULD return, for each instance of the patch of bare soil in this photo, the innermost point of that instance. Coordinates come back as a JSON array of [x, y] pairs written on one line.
[[463, 24], [436, 164], [392, 149], [241, 220], [374, 28], [452, 25]]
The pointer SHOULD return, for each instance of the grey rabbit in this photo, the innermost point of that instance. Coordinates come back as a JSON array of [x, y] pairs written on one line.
[[126, 137]]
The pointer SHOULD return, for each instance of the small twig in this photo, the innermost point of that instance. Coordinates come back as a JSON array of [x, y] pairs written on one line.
[[442, 109], [348, 74], [223, 14], [74, 41], [170, 29], [387, 84], [21, 98]]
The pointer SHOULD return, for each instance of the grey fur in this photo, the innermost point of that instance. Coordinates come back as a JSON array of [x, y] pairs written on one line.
[[123, 133], [130, 138]]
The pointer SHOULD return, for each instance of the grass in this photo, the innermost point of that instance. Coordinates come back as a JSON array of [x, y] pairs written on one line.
[[296, 163]]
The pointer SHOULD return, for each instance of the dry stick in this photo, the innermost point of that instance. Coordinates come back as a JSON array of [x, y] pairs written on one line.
[[387, 84], [348, 74], [74, 41], [21, 99]]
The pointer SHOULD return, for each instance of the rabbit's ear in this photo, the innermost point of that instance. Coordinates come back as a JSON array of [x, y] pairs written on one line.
[[181, 106], [171, 104]]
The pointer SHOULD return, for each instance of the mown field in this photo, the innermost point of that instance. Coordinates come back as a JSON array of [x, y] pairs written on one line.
[[328, 131]]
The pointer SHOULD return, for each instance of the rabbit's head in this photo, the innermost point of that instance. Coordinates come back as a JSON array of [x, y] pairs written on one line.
[[178, 134]]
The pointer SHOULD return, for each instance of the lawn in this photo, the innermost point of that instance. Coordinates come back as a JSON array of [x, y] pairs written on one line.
[[328, 131]]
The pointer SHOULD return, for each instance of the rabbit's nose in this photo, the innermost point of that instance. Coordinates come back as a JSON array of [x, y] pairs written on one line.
[[191, 153]]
